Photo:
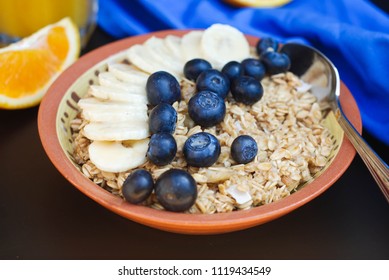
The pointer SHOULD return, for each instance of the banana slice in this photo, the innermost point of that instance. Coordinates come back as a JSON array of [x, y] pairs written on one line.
[[114, 116], [108, 79], [92, 103], [191, 45], [140, 57], [128, 73], [222, 43], [173, 44], [133, 95], [117, 131], [114, 157], [95, 110], [161, 53], [136, 54]]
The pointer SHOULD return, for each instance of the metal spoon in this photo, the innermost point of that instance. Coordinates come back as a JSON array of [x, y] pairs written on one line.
[[316, 69]]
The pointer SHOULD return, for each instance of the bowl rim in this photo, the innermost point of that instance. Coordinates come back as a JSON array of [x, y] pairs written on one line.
[[164, 220]]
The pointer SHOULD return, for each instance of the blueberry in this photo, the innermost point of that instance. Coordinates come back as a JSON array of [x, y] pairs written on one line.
[[163, 118], [162, 148], [233, 70], [254, 68], [275, 62], [213, 80], [244, 149], [162, 87], [138, 186], [246, 90], [194, 67], [266, 44], [206, 108], [201, 149], [176, 190]]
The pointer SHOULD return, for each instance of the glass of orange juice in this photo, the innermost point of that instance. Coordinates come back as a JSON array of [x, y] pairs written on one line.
[[21, 18]]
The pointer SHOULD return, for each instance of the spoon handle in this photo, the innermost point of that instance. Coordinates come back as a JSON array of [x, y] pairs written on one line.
[[378, 168]]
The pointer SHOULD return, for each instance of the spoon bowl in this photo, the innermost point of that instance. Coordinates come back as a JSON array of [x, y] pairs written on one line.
[[315, 69]]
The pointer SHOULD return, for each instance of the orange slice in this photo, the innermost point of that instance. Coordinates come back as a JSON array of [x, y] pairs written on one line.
[[258, 3], [28, 67]]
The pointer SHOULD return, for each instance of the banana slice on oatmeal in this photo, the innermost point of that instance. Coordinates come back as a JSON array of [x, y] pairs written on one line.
[[115, 157], [128, 73], [191, 45], [223, 43]]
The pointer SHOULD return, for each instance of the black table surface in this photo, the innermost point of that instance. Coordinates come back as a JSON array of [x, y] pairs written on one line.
[[42, 216]]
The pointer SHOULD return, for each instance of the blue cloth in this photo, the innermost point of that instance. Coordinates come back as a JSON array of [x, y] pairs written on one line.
[[354, 34]]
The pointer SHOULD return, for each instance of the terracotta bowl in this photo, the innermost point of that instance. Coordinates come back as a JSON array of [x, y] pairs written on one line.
[[59, 107]]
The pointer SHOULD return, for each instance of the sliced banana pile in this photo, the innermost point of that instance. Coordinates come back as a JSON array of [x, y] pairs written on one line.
[[116, 111], [218, 44], [116, 108]]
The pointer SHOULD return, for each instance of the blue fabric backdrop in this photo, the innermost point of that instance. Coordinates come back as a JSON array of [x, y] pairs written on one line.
[[354, 34]]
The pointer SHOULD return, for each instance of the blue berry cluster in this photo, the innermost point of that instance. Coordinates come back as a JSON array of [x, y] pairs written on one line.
[[176, 189], [162, 90]]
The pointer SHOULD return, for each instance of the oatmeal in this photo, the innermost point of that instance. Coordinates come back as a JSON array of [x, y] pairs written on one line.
[[275, 116], [292, 143]]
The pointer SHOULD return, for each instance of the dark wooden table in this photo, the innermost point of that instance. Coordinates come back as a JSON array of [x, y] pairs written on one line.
[[42, 216]]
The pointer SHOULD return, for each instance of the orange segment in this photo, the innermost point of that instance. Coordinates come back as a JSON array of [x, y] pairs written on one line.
[[33, 73], [58, 43], [27, 68]]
